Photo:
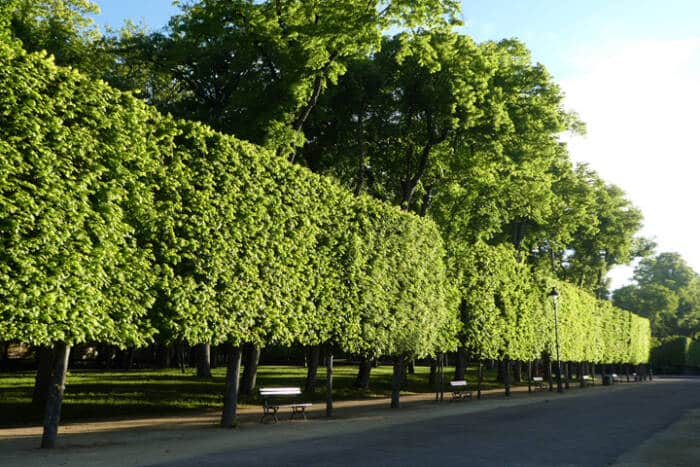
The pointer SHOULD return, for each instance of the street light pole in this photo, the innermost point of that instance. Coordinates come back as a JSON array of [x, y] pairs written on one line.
[[554, 295]]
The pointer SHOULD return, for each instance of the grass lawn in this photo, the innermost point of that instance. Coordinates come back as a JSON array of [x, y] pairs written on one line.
[[97, 394]]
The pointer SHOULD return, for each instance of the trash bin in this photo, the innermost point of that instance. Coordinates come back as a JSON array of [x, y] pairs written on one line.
[[607, 380]]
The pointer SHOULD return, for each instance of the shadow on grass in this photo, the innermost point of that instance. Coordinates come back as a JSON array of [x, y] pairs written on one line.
[[101, 394]]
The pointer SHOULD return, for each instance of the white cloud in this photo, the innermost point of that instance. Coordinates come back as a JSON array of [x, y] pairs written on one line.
[[641, 102]]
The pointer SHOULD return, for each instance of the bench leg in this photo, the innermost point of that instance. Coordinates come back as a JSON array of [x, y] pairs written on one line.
[[298, 410], [270, 412]]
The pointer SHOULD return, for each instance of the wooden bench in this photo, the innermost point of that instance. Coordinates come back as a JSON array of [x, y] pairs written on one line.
[[616, 378], [538, 382], [271, 403], [459, 390], [587, 380]]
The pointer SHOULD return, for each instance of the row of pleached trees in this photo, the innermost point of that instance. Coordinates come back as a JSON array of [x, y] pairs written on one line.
[[121, 225]]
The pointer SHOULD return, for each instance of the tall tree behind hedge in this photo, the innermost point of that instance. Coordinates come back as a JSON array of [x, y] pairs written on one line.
[[257, 69]]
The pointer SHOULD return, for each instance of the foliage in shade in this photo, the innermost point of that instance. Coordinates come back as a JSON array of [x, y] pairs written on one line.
[[676, 354]]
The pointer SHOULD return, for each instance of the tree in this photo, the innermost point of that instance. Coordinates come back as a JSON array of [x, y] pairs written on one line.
[[70, 268], [666, 291], [63, 28], [603, 237], [257, 69]]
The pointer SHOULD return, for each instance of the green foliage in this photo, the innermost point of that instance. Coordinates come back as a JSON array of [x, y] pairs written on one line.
[[118, 222], [676, 354], [501, 316], [70, 174], [506, 313], [108, 206], [594, 330], [63, 28], [692, 358], [257, 68], [671, 355], [667, 291]]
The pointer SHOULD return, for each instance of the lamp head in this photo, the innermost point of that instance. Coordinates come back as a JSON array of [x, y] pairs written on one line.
[[554, 294]]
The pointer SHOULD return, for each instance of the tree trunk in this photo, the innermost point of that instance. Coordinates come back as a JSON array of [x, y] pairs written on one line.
[[203, 355], [250, 371], [500, 377], [127, 358], [329, 384], [529, 376], [163, 356], [432, 376], [180, 350], [411, 367], [5, 351], [396, 383], [213, 356], [233, 371], [567, 374], [518, 371], [52, 414], [363, 373], [506, 376], [479, 379], [439, 377], [592, 374], [549, 373], [461, 364], [42, 381], [312, 369]]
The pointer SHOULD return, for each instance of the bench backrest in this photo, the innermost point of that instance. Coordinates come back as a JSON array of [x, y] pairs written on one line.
[[586, 376], [537, 379], [458, 383], [280, 391]]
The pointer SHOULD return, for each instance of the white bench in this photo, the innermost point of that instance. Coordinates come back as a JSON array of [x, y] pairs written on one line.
[[587, 380], [616, 378], [459, 390], [271, 403], [538, 382]]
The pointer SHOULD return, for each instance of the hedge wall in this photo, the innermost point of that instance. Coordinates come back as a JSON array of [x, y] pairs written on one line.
[[676, 355], [506, 313], [119, 223]]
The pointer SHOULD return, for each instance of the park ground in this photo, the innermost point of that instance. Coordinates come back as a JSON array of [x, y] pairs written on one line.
[[630, 424]]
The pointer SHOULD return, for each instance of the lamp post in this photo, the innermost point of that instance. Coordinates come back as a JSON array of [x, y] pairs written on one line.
[[554, 295]]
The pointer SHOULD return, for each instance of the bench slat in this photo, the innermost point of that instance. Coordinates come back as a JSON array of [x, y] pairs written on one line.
[[458, 383], [280, 391]]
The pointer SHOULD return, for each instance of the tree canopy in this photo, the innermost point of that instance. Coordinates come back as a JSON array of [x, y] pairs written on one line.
[[667, 291]]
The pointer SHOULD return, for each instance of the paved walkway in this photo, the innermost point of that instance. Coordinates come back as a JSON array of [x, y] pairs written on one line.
[[628, 423]]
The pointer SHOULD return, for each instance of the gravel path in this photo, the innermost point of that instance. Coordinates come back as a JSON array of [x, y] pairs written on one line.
[[593, 426]]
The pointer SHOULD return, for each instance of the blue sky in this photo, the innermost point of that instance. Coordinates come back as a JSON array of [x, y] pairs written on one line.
[[630, 68]]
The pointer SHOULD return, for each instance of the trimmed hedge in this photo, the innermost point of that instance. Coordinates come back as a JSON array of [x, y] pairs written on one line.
[[676, 355], [118, 223], [506, 313]]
